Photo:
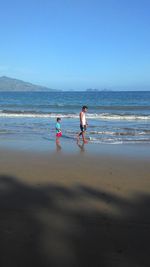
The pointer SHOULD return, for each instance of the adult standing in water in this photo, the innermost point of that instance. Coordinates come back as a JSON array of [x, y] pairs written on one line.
[[83, 124]]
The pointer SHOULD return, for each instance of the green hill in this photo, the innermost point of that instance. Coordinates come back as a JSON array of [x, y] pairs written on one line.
[[10, 84]]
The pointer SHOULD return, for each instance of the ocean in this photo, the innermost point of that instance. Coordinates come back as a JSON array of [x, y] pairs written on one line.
[[113, 117]]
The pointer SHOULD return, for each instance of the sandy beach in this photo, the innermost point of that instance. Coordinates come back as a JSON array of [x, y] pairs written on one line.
[[75, 133], [79, 209]]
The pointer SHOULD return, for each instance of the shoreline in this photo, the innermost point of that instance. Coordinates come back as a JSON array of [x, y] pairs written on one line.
[[47, 146]]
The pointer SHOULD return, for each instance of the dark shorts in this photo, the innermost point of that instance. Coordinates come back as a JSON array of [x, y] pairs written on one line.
[[83, 128]]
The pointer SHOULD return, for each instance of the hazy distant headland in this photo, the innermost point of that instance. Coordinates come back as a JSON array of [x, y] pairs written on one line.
[[11, 84], [98, 90]]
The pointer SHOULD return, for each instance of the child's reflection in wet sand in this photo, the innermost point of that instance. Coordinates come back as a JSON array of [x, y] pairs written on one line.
[[58, 145]]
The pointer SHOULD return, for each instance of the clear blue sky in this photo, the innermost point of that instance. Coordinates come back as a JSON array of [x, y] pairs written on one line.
[[76, 44]]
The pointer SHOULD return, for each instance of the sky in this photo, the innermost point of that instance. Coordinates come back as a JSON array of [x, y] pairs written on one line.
[[76, 44]]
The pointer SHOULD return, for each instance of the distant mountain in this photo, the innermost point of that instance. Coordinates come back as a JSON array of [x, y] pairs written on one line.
[[92, 90], [98, 90], [10, 84]]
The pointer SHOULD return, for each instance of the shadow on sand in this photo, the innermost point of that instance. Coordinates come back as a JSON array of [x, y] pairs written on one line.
[[48, 226]]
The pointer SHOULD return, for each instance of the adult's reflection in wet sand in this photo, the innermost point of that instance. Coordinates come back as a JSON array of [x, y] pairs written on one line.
[[81, 146]]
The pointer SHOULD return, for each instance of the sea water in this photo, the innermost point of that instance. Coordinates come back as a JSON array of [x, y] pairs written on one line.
[[113, 117]]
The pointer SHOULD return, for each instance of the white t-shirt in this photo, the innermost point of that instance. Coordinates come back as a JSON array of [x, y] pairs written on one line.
[[83, 118]]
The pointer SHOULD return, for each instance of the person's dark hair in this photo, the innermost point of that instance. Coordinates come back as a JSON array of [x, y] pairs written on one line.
[[84, 107], [58, 119]]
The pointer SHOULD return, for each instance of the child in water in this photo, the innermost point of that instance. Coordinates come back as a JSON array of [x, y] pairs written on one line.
[[58, 129]]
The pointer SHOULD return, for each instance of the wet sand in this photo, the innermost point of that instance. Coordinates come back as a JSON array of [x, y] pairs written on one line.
[[81, 209]]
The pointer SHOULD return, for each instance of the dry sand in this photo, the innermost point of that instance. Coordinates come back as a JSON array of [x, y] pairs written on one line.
[[74, 210]]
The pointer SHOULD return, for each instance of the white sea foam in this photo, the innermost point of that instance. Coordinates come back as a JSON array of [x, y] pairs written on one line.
[[104, 141], [107, 116], [102, 132], [115, 141], [102, 116]]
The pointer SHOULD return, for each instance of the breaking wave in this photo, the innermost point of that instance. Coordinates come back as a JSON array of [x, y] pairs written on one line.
[[100, 116]]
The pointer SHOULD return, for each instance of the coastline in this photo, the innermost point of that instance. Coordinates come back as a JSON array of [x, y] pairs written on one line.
[[49, 146], [75, 208]]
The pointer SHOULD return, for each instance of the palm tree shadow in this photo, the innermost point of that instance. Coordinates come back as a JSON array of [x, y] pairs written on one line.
[[49, 226]]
